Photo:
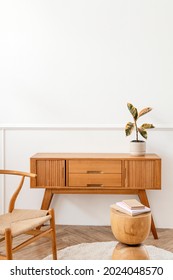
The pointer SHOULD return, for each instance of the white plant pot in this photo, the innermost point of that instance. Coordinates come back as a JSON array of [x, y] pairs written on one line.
[[137, 148]]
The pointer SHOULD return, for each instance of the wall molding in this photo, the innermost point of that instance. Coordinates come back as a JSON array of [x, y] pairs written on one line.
[[158, 127]]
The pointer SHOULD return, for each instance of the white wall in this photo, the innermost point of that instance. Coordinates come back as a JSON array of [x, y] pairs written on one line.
[[70, 67]]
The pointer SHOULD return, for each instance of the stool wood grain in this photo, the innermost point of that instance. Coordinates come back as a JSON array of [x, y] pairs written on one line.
[[126, 252], [128, 229]]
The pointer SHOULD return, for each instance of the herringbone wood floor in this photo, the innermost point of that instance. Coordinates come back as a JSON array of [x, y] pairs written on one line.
[[72, 235]]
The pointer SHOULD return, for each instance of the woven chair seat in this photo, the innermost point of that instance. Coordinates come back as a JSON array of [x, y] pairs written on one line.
[[22, 220]]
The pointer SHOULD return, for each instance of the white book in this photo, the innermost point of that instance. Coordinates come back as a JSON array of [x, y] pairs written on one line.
[[120, 206]]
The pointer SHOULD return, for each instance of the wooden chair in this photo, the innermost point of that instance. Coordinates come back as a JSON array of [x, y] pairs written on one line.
[[23, 221]]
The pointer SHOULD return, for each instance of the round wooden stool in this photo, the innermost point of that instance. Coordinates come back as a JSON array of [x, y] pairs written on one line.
[[131, 230]]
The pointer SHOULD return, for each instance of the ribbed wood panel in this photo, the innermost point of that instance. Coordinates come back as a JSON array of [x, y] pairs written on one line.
[[142, 174], [50, 173]]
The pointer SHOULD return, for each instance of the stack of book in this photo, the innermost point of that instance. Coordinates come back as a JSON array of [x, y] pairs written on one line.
[[131, 207]]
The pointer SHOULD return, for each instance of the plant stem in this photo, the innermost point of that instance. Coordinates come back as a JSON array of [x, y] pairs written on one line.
[[136, 128]]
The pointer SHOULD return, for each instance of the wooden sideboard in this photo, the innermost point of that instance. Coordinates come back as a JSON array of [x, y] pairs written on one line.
[[101, 173]]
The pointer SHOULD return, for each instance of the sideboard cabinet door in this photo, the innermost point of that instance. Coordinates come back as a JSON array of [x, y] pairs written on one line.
[[50, 173], [143, 174]]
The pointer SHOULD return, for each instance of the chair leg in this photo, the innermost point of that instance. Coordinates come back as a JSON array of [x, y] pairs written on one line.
[[53, 233], [8, 244]]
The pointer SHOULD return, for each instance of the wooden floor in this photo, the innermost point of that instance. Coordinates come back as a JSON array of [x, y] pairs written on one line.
[[72, 235]]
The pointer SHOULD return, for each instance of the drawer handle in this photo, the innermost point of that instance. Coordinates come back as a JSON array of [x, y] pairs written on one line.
[[94, 172], [94, 185]]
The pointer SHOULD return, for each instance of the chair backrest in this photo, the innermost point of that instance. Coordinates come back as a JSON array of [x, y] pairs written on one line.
[[15, 194]]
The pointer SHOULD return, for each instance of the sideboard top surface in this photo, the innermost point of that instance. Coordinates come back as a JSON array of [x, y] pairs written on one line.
[[93, 156]]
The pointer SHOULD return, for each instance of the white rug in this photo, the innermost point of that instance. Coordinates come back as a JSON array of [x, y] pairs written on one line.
[[103, 251]]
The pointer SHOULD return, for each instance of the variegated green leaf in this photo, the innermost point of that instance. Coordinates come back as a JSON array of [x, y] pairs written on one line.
[[144, 111], [143, 132], [129, 128], [147, 126], [133, 111]]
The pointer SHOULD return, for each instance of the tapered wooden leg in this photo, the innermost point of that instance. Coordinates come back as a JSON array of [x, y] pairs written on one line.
[[52, 224], [8, 244], [47, 199], [144, 200]]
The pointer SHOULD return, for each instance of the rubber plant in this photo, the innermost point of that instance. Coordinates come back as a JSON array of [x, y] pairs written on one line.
[[130, 126]]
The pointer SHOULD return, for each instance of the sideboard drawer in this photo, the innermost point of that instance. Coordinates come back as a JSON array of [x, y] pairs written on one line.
[[95, 173], [95, 180], [95, 166]]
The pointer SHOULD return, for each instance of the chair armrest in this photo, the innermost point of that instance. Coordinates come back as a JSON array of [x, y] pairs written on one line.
[[20, 173]]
